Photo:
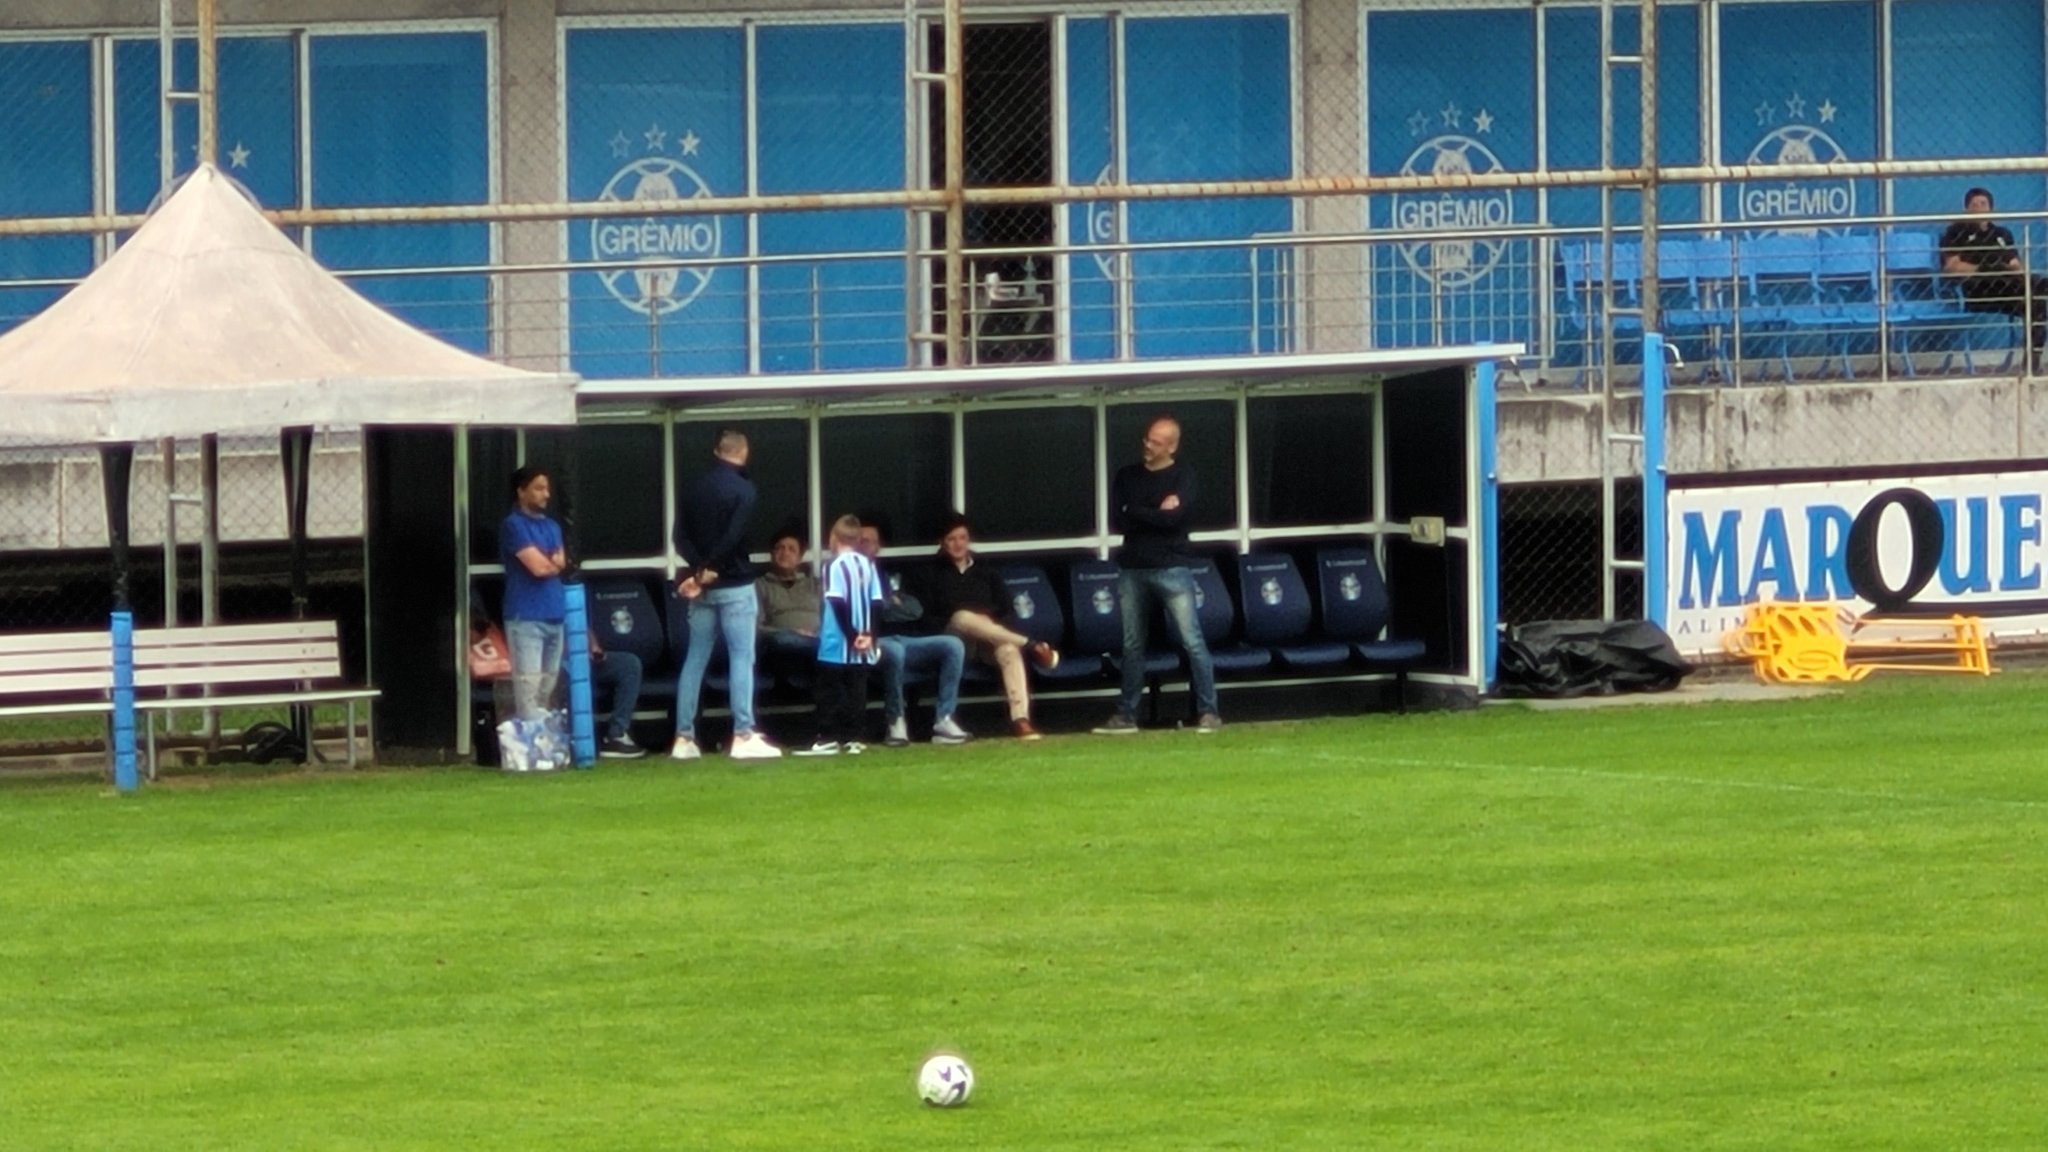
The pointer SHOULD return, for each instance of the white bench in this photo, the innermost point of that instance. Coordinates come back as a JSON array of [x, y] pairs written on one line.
[[233, 665]]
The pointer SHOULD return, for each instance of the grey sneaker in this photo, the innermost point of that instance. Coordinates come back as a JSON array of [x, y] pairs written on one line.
[[949, 731], [899, 733], [1117, 725], [1210, 722]]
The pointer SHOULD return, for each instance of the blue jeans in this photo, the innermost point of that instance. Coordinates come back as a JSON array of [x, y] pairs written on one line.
[[619, 673], [1139, 589], [732, 613], [902, 654], [536, 664]]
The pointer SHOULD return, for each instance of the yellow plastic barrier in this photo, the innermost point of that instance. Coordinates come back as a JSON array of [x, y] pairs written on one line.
[[1806, 642]]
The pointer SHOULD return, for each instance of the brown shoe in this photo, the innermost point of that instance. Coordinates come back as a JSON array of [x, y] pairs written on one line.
[[1025, 730], [1044, 655]]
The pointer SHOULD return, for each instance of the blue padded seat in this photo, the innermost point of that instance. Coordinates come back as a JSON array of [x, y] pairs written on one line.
[[1356, 608], [1277, 614], [1099, 618], [1218, 616], [1035, 611]]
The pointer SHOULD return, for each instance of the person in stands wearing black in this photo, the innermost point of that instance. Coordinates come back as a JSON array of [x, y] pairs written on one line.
[[1982, 258], [1149, 502], [966, 598]]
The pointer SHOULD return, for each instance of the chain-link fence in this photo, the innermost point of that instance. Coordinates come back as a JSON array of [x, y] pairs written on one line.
[[680, 193]]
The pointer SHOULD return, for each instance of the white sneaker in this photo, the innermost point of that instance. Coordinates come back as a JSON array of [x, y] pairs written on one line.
[[853, 747], [949, 731], [685, 749], [821, 748], [899, 733], [754, 746]]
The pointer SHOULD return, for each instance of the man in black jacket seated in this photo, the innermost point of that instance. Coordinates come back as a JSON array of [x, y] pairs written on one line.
[[966, 598], [1980, 255]]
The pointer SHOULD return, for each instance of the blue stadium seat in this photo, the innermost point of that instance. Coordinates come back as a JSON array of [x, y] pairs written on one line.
[[1218, 616], [1277, 614], [1779, 308], [623, 616], [1099, 625], [1036, 611], [1696, 282], [1355, 608]]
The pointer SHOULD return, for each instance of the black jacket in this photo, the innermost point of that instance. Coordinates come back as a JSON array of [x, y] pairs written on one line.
[[946, 589], [711, 523]]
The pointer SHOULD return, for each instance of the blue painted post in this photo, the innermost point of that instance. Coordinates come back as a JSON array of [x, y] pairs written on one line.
[[123, 631], [1655, 573], [1485, 385], [582, 726]]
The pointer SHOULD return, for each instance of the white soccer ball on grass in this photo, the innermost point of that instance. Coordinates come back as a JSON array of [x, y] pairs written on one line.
[[945, 1081]]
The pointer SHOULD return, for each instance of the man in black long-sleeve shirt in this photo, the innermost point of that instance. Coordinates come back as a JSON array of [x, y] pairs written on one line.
[[1149, 502], [718, 581]]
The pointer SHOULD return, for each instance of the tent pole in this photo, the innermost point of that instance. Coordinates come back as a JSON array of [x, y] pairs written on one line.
[[296, 446], [117, 462], [209, 106], [209, 552], [168, 448]]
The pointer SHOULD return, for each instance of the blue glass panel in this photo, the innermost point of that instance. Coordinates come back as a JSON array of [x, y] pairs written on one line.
[[1451, 92], [1091, 294], [1967, 87], [1226, 120], [657, 113], [259, 123], [1572, 73], [400, 119], [45, 128], [45, 165], [831, 120], [1798, 83], [455, 308]]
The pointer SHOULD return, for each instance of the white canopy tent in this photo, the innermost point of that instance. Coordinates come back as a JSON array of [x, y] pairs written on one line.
[[210, 320]]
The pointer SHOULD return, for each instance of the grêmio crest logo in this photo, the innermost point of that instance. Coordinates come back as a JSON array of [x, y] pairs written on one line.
[[1452, 263], [1789, 139], [1903, 551], [655, 178]]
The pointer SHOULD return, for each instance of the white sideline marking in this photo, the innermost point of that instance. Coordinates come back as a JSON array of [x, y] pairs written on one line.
[[1690, 781]]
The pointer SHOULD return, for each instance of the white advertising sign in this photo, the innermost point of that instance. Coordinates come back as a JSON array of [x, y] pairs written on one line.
[[1917, 545]]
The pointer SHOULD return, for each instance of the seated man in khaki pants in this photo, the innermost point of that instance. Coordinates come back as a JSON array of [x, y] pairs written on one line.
[[966, 598]]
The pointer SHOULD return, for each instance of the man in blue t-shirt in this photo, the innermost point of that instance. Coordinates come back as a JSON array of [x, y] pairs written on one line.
[[530, 547], [846, 643]]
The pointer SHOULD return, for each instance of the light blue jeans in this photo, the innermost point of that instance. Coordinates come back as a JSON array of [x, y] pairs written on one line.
[[1139, 589], [733, 613], [536, 664], [901, 654]]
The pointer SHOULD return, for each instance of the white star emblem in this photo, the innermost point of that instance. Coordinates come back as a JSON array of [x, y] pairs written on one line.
[[1795, 108], [1766, 112], [689, 143], [1453, 115], [1418, 124], [621, 146], [655, 137], [238, 156], [1483, 122], [1827, 111]]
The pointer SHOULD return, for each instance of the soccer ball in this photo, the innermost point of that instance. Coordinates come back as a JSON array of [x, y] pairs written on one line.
[[945, 1081]]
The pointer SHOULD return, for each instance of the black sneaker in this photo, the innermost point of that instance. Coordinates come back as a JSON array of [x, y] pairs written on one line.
[[620, 748], [1117, 725]]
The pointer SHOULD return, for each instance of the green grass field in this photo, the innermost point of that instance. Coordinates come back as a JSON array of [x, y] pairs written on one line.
[[1799, 925]]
